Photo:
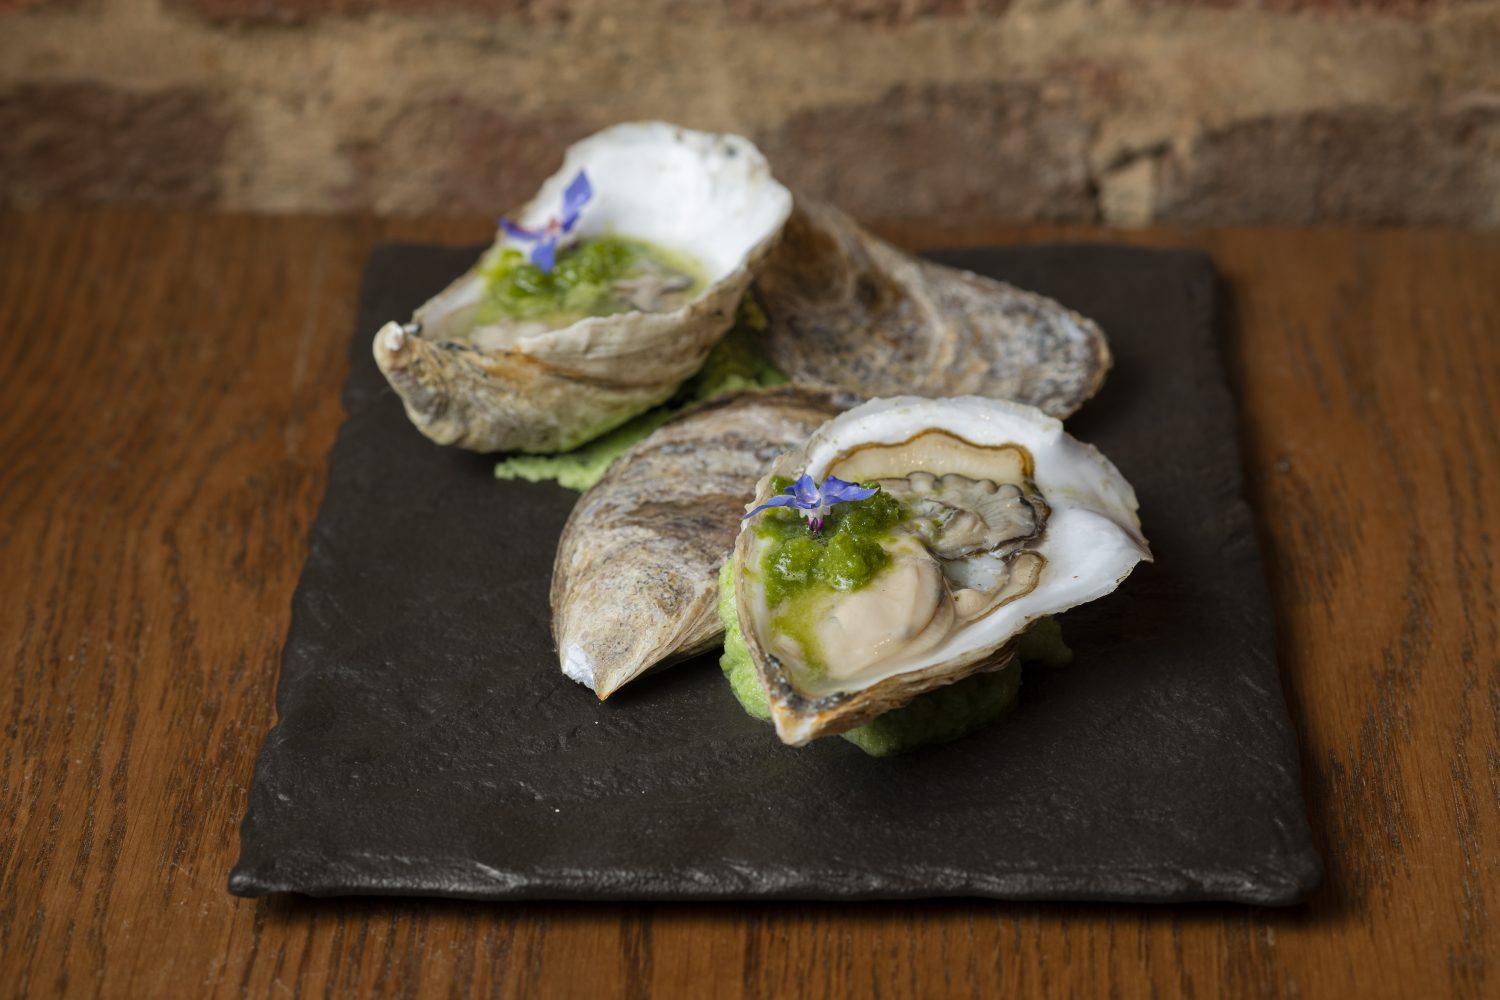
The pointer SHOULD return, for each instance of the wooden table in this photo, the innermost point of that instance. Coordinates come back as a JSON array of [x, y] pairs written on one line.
[[170, 389]]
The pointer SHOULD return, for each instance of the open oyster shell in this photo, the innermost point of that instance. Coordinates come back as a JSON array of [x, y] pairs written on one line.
[[635, 582], [1007, 519], [851, 310], [506, 385]]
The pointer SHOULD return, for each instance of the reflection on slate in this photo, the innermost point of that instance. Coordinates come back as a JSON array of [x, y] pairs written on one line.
[[427, 743]]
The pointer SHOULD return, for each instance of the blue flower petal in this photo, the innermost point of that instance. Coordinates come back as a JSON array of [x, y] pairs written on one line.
[[835, 490], [806, 495], [575, 197], [806, 492], [781, 501], [543, 254]]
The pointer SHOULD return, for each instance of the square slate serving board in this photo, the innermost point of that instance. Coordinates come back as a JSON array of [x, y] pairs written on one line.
[[427, 743]]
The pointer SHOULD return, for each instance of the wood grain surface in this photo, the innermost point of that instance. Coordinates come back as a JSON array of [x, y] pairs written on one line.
[[169, 390]]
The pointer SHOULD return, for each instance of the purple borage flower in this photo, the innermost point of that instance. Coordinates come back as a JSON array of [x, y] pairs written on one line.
[[544, 241], [812, 501]]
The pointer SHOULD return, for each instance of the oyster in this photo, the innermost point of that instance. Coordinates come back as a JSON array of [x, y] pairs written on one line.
[[994, 518], [635, 585], [471, 377], [851, 310]]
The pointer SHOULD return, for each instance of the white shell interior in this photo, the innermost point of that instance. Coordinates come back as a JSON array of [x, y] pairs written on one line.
[[1092, 539], [706, 195]]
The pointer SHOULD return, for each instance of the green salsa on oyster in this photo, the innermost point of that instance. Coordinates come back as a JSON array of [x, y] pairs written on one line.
[[935, 717], [884, 571], [601, 276], [937, 534], [844, 556]]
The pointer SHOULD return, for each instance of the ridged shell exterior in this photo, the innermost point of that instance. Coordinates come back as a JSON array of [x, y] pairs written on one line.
[[710, 196], [635, 583], [851, 310]]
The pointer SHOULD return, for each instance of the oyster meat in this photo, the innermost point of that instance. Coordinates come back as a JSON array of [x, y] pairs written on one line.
[[479, 379], [995, 518], [851, 310], [634, 585]]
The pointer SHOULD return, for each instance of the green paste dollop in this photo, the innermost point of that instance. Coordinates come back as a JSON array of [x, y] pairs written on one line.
[[939, 716], [583, 281], [799, 565], [845, 555], [736, 362]]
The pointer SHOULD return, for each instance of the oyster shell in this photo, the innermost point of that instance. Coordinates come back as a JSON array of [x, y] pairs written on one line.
[[635, 582], [1006, 519], [851, 310], [503, 385]]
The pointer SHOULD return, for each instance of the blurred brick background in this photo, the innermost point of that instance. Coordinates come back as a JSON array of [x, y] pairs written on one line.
[[1123, 111]]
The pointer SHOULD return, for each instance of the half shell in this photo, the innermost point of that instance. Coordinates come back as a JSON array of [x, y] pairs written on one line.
[[635, 582], [503, 386], [1009, 520], [851, 310]]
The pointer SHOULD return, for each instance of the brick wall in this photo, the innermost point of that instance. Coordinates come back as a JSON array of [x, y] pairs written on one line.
[[1125, 111]]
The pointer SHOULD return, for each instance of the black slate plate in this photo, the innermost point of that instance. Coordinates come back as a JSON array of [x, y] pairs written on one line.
[[428, 744]]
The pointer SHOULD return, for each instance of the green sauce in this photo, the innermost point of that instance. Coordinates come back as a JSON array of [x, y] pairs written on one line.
[[585, 281], [935, 717], [799, 565], [846, 555], [941, 716], [737, 361]]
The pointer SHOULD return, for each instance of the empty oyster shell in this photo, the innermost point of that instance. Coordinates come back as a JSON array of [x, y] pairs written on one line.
[[502, 384], [635, 582], [851, 310], [1005, 519]]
